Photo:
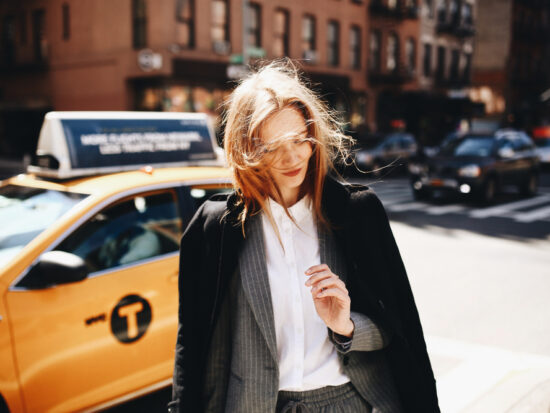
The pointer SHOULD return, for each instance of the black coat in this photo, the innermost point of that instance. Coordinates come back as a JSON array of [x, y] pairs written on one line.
[[377, 284]]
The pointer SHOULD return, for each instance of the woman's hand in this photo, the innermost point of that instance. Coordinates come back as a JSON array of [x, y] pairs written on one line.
[[331, 299]]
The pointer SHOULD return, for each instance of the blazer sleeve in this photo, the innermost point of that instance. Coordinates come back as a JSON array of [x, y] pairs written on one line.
[[406, 305], [367, 336], [191, 244]]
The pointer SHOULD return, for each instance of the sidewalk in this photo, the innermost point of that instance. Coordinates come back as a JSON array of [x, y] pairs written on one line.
[[480, 379]]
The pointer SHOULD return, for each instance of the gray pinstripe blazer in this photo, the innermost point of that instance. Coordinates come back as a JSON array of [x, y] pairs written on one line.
[[242, 372]]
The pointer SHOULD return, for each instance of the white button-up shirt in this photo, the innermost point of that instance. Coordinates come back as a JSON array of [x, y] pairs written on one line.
[[307, 359]]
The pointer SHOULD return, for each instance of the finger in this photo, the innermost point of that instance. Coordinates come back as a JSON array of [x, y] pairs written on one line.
[[319, 276], [315, 268], [331, 282], [335, 293]]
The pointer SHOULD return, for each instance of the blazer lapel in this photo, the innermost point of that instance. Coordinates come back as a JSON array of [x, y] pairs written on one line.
[[255, 281], [329, 253]]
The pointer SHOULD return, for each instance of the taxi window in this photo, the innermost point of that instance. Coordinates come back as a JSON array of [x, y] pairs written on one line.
[[134, 229], [25, 212]]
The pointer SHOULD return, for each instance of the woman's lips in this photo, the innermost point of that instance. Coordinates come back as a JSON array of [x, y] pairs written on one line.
[[292, 173]]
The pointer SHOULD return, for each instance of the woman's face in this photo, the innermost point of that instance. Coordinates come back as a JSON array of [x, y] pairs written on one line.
[[287, 151]]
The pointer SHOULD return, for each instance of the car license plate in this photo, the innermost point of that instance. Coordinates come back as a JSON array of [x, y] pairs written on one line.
[[436, 182]]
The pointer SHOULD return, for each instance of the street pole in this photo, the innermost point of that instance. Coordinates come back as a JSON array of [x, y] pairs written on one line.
[[245, 33]]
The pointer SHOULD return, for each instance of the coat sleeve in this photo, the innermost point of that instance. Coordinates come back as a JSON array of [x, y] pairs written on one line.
[[189, 274], [406, 307]]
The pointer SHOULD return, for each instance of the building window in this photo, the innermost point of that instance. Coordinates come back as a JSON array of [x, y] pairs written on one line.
[[441, 12], [8, 39], [139, 16], [410, 51], [355, 47], [255, 25], [23, 28], [374, 51], [440, 62], [65, 13], [185, 18], [467, 67], [428, 4], [333, 37], [427, 62], [282, 29], [392, 52], [220, 26], [309, 46], [455, 62], [40, 43], [454, 12], [467, 18]]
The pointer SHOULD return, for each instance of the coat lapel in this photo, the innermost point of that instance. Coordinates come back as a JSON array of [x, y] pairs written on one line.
[[255, 281], [329, 253]]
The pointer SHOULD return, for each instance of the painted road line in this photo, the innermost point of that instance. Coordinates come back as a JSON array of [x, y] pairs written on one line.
[[394, 200], [534, 215], [445, 209], [409, 206], [481, 369], [504, 208]]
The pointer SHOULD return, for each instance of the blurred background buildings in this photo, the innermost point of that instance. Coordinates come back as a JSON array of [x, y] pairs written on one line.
[[427, 66]]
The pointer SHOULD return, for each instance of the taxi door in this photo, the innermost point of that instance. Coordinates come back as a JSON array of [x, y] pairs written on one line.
[[82, 344]]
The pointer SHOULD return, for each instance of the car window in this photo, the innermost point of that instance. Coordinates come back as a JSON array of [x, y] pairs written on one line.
[[133, 229], [526, 141], [470, 146], [25, 212], [542, 142], [407, 142]]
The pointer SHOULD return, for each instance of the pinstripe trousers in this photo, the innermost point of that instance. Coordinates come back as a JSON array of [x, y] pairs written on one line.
[[242, 371]]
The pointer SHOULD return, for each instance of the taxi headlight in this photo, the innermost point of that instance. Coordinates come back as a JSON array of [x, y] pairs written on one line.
[[469, 171]]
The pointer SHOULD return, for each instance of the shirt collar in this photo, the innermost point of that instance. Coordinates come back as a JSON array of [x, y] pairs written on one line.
[[299, 210]]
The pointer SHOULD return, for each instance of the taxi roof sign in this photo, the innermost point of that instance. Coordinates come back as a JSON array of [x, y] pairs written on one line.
[[75, 144]]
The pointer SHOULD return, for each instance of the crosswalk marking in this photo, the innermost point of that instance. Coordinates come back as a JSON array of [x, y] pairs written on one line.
[[531, 216], [396, 196], [511, 206], [445, 209], [406, 207], [394, 199]]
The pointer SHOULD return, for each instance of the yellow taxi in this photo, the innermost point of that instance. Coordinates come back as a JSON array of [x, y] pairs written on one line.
[[89, 256]]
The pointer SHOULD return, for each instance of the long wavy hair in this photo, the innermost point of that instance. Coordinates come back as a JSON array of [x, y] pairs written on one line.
[[271, 88]]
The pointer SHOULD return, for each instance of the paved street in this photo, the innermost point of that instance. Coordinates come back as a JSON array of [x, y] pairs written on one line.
[[481, 277]]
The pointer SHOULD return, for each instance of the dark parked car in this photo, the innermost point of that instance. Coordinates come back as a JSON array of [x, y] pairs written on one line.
[[396, 149], [478, 165]]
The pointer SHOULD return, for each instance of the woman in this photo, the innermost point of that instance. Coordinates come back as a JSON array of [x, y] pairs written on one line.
[[293, 295]]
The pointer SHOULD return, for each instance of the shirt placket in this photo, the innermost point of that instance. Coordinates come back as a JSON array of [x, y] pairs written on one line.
[[297, 304]]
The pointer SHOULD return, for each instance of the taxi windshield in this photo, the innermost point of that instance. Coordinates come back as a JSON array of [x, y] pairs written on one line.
[[25, 212]]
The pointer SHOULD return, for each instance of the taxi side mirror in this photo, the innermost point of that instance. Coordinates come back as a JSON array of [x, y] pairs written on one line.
[[53, 268]]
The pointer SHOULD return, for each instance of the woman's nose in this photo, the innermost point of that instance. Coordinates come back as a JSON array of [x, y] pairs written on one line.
[[289, 154]]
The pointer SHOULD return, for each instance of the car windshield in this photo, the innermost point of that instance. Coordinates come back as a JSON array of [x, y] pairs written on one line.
[[25, 212], [469, 146], [542, 142]]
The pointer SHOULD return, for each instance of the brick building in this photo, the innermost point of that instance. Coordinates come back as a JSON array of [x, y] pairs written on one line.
[[511, 65], [166, 54]]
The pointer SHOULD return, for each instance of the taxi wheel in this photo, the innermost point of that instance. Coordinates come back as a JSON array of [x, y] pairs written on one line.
[[420, 194], [530, 186], [3, 405], [488, 191]]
